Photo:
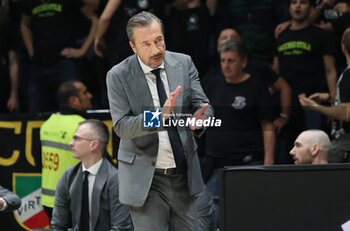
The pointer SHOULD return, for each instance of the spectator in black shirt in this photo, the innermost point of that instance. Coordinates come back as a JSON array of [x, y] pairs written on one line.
[[332, 16], [188, 31], [340, 111], [48, 34], [243, 103], [304, 57], [255, 21], [263, 71]]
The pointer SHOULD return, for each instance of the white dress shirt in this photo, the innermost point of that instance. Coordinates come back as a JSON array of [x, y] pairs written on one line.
[[5, 204], [165, 158], [91, 178]]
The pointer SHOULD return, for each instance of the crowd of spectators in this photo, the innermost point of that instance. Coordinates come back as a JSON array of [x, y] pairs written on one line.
[[284, 51], [46, 42]]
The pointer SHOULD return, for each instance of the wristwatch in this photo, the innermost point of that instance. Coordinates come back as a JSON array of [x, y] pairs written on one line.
[[284, 116]]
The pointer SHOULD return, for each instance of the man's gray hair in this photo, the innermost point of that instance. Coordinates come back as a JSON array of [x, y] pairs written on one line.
[[100, 129], [234, 45], [142, 19]]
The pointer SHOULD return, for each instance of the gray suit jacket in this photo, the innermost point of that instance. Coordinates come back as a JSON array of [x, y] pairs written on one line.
[[129, 96], [12, 200], [107, 213]]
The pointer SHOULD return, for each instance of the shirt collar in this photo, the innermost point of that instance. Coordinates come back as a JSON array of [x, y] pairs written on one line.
[[94, 168], [146, 69], [71, 111]]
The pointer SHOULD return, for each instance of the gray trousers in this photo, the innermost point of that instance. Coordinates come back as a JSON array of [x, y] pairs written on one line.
[[168, 206]]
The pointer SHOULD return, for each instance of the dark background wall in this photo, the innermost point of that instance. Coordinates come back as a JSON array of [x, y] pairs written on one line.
[[288, 198]]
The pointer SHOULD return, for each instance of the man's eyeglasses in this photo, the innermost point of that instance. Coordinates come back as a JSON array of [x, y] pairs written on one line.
[[77, 138]]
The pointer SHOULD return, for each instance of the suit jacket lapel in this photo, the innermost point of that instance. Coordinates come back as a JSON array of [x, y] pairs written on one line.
[[137, 81], [175, 78], [75, 192], [100, 181]]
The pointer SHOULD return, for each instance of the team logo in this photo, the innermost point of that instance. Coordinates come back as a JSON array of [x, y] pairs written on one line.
[[31, 214], [143, 4], [192, 23], [151, 119], [239, 103]]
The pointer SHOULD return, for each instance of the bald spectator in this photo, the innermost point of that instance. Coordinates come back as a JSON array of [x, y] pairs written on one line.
[[311, 147]]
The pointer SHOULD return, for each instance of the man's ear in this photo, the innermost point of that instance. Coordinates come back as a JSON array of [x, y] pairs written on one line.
[[244, 62], [73, 101], [94, 145], [315, 149], [132, 46], [343, 49]]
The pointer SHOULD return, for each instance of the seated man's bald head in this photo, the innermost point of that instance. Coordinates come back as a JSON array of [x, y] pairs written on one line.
[[311, 147], [320, 137]]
